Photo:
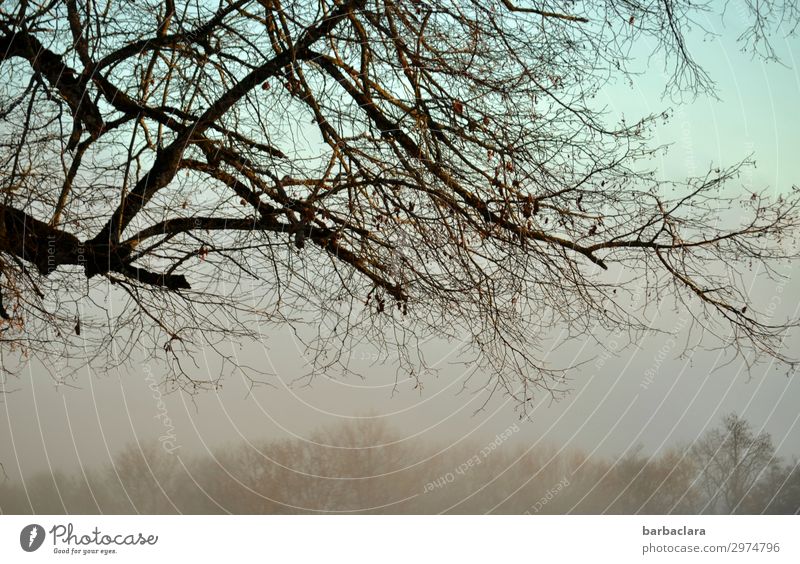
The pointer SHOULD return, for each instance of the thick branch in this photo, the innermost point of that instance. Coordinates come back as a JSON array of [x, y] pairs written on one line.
[[46, 247], [60, 76], [166, 164], [543, 13]]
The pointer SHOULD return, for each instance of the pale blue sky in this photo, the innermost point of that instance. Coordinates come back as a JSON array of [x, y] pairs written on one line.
[[758, 110]]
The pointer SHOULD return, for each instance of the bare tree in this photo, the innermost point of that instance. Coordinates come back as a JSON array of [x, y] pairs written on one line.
[[177, 175], [651, 485], [731, 460], [778, 491]]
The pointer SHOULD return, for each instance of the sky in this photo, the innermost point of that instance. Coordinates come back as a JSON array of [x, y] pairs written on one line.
[[649, 396]]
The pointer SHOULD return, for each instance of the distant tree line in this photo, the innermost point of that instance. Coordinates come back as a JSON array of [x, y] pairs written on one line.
[[368, 468]]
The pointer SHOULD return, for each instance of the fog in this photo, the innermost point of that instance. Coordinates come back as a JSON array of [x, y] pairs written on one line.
[[363, 466], [620, 410]]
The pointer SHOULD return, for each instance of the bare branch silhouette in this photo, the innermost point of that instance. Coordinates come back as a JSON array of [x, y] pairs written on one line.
[[390, 170]]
